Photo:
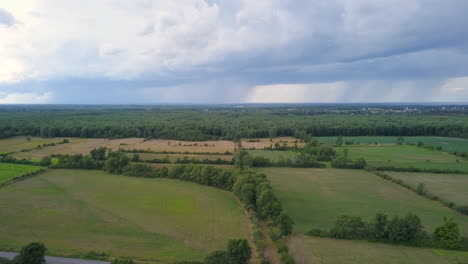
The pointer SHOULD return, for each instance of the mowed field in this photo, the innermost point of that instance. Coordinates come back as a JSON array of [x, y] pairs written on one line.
[[273, 155], [308, 250], [16, 144], [160, 220], [261, 143], [447, 144], [85, 145], [451, 187], [174, 157], [10, 171], [314, 198], [406, 156]]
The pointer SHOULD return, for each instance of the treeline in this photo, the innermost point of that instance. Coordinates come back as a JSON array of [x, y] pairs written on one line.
[[406, 230], [231, 123]]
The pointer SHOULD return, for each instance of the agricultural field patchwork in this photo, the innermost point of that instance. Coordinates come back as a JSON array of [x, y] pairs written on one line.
[[406, 156], [11, 171], [85, 145], [447, 143], [158, 220], [308, 250], [451, 187], [314, 198], [175, 157], [261, 143]]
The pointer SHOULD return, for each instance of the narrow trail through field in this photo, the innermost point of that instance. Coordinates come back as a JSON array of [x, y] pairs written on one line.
[[270, 249]]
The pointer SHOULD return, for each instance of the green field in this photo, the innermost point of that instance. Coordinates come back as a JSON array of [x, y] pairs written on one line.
[[406, 156], [76, 211], [308, 250], [17, 144], [273, 155], [11, 171], [451, 187], [314, 198], [447, 144]]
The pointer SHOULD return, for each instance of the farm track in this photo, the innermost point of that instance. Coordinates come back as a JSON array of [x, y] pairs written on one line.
[[57, 260]]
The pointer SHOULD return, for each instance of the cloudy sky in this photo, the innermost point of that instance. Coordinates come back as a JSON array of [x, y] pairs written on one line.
[[233, 51]]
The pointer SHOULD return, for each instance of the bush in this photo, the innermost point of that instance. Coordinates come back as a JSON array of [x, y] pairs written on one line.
[[239, 251], [405, 230], [122, 261], [217, 257], [317, 233], [31, 254], [448, 235], [349, 227], [5, 261]]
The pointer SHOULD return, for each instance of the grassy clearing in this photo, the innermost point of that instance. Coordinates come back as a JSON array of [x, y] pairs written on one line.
[[11, 171], [451, 187], [261, 143], [316, 197], [272, 154], [16, 144], [406, 156], [447, 144], [76, 211], [332, 251]]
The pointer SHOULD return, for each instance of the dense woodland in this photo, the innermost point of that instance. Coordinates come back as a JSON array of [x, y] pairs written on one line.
[[232, 122]]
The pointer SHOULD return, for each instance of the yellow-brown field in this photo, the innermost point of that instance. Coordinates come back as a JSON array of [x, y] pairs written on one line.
[[261, 143]]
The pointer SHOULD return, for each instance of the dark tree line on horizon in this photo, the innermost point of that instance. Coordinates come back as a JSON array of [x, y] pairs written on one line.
[[199, 124]]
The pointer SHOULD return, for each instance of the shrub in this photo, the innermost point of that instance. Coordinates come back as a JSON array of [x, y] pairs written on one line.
[[448, 235], [217, 257], [5, 261], [122, 261], [31, 254], [349, 227], [239, 251]]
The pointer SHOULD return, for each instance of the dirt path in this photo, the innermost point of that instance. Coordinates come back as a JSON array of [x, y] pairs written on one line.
[[270, 249]]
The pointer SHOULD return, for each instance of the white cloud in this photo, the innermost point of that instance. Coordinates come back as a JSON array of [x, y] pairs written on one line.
[[25, 98]]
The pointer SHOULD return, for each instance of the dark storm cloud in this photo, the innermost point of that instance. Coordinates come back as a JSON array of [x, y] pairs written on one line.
[[377, 48]]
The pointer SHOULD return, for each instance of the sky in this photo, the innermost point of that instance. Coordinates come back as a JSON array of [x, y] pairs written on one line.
[[232, 51]]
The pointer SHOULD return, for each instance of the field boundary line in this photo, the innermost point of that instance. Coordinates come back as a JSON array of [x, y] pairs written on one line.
[[23, 177], [449, 204]]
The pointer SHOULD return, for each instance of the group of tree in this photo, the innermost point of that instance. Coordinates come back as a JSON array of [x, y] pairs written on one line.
[[195, 123], [406, 230], [237, 251], [344, 162]]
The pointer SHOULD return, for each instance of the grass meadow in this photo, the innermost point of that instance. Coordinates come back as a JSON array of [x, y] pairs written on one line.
[[447, 144], [17, 144], [273, 155], [10, 171], [308, 250], [451, 187], [404, 156], [159, 220], [314, 198]]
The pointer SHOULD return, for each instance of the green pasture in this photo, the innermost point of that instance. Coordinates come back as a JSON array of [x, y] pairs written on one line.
[[314, 198], [447, 144], [10, 171], [308, 250], [451, 187], [273, 155], [17, 144], [158, 220], [406, 156]]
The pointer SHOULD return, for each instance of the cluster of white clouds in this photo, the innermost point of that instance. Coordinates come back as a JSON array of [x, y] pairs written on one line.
[[233, 50]]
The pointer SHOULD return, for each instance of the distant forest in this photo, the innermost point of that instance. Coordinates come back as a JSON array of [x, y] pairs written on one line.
[[233, 122]]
